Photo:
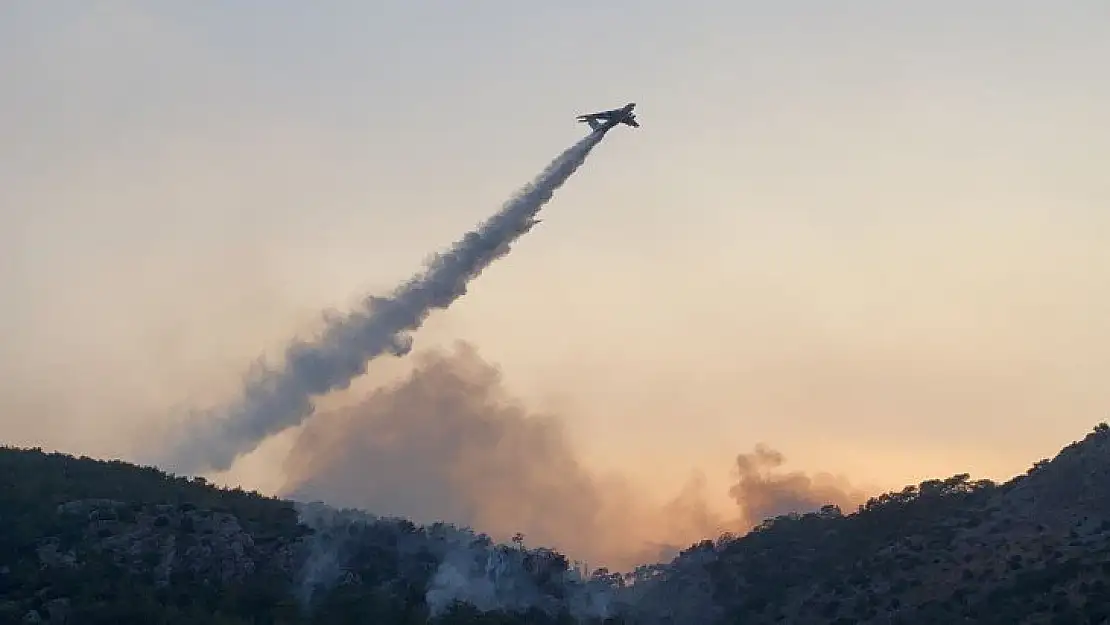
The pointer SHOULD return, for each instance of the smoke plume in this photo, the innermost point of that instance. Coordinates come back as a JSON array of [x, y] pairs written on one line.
[[762, 494], [276, 399], [448, 443]]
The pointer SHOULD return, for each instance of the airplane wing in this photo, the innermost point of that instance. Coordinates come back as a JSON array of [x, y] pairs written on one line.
[[599, 115]]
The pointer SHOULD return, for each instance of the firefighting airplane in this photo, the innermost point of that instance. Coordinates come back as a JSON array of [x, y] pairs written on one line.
[[604, 120]]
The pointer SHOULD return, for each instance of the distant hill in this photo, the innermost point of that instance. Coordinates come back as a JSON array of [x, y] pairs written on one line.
[[90, 542], [1033, 550]]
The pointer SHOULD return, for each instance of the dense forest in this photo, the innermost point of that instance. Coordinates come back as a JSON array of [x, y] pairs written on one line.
[[94, 542]]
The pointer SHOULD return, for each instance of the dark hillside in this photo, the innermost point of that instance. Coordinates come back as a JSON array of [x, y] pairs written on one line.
[[87, 541], [90, 542], [1033, 550]]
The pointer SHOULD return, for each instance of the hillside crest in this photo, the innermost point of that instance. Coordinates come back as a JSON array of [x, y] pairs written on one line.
[[89, 541]]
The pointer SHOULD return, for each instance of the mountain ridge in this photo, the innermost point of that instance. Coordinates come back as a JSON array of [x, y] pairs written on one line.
[[93, 541]]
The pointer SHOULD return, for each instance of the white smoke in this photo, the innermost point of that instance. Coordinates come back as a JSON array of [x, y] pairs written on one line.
[[469, 568], [484, 578], [276, 399], [492, 577]]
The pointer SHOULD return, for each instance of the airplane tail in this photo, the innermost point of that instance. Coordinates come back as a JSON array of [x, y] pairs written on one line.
[[594, 124]]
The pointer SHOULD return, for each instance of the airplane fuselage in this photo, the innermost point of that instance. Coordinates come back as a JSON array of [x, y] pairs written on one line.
[[603, 121]]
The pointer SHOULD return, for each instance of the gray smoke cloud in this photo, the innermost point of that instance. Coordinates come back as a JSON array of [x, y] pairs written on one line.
[[449, 442], [275, 399], [763, 492]]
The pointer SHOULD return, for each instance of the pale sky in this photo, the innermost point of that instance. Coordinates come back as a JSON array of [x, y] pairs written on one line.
[[871, 236]]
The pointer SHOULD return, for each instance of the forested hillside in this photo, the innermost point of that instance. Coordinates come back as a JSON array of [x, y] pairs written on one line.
[[86, 541]]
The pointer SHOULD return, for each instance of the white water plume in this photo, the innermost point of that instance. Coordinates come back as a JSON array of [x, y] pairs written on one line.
[[274, 399]]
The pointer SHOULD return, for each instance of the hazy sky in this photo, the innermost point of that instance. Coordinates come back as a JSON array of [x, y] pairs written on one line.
[[872, 236]]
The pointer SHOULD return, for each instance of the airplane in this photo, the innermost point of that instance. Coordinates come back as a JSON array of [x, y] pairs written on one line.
[[604, 120]]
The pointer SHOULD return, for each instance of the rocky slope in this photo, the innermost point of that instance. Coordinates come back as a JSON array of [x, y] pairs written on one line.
[[86, 541]]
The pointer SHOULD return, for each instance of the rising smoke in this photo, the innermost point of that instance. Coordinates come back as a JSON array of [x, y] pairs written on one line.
[[448, 443], [275, 399], [763, 493]]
